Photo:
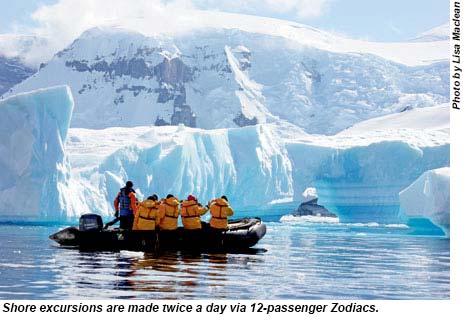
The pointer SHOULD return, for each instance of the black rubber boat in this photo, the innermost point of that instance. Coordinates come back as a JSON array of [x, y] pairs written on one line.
[[241, 234]]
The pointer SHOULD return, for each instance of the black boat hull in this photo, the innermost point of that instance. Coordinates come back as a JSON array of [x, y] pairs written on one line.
[[242, 234]]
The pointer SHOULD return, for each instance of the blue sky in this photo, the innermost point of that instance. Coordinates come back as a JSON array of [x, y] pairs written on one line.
[[377, 20], [18, 12]]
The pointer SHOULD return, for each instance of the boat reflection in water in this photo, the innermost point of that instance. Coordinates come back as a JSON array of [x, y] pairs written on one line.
[[137, 275]]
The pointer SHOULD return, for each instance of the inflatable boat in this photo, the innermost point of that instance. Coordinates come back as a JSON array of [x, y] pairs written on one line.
[[91, 235]]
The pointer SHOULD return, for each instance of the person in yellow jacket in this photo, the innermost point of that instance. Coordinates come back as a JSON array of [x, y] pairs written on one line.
[[168, 213], [147, 215], [192, 239], [191, 213], [220, 211]]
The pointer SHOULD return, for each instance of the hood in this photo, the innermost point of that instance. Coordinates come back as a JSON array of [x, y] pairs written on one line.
[[172, 201], [221, 202]]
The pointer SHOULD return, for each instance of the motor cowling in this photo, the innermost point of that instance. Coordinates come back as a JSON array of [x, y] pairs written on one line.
[[90, 222]]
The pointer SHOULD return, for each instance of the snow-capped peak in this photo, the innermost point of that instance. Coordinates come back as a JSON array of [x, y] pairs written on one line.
[[439, 33]]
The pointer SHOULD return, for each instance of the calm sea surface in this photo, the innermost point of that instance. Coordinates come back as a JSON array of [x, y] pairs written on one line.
[[295, 260]]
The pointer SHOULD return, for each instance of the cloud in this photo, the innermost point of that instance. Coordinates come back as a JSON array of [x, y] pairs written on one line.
[[64, 21], [69, 18], [301, 9]]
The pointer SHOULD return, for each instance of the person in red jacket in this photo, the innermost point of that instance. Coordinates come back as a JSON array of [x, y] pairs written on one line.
[[125, 204]]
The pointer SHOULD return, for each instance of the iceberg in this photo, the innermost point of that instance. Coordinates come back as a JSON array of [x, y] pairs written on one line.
[[33, 164], [358, 174], [246, 164], [429, 197]]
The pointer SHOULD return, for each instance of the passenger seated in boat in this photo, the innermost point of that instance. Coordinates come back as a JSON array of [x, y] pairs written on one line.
[[220, 211], [125, 204], [192, 211], [147, 215], [168, 213]]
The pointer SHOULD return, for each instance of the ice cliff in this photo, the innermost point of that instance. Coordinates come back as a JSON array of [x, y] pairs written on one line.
[[33, 165]]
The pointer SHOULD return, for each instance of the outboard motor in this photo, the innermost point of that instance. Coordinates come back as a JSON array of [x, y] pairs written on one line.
[[90, 222]]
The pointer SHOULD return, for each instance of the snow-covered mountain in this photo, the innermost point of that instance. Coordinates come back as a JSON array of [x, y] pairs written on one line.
[[221, 78]]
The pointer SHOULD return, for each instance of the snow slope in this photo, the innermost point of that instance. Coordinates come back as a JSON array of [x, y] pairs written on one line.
[[432, 118], [439, 33], [429, 197], [224, 78], [33, 166], [411, 53]]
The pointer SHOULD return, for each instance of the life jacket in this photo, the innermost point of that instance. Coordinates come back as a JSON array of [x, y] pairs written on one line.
[[125, 206], [191, 214], [168, 213], [220, 210], [147, 215]]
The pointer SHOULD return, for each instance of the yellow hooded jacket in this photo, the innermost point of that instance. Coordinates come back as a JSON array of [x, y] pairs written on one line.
[[191, 213], [147, 215], [220, 210], [168, 214]]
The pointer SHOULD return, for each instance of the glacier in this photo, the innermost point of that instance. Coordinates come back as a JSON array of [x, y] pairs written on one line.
[[33, 163], [429, 197]]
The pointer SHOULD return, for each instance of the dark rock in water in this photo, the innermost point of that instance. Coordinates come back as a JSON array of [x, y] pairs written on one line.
[[311, 208]]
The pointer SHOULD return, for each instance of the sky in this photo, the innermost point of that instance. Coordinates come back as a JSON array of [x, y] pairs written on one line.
[[375, 20]]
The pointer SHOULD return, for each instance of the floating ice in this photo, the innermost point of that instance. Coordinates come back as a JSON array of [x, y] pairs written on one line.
[[317, 219], [358, 175], [429, 197], [309, 194]]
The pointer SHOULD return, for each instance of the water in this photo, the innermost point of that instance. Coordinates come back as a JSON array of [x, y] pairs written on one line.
[[295, 260]]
